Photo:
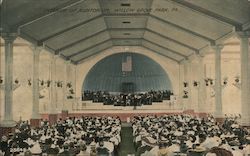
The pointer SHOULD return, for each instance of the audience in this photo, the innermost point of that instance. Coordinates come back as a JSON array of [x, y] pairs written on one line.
[[70, 137], [183, 134], [138, 99], [167, 135]]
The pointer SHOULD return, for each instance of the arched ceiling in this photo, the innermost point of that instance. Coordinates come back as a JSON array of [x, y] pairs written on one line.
[[77, 29]]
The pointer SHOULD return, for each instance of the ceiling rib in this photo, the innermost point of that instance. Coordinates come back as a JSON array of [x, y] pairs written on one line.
[[209, 40], [49, 48], [167, 49], [173, 40], [126, 38], [119, 29], [28, 37], [154, 32], [97, 44], [126, 29], [64, 57], [67, 29], [160, 53], [246, 26], [79, 41], [63, 6], [208, 13], [105, 21], [146, 24], [95, 53]]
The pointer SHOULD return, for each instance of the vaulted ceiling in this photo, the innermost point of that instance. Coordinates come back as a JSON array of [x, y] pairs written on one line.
[[78, 29]]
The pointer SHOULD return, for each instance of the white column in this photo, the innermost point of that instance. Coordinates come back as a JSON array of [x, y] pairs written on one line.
[[66, 80], [218, 90], [181, 79], [201, 85], [53, 99], [194, 71], [245, 77], [74, 81], [8, 90], [35, 108], [187, 78]]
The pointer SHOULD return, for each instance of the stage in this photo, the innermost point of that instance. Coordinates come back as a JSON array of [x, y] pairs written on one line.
[[166, 105], [89, 108]]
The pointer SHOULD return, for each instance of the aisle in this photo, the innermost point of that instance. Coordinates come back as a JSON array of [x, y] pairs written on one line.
[[126, 145]]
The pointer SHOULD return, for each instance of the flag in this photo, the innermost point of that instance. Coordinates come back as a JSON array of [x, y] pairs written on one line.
[[127, 64]]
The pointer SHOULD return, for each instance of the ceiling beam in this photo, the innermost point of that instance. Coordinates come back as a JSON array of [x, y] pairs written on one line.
[[157, 33], [172, 40], [209, 40], [56, 10], [246, 26], [93, 46], [146, 24], [64, 57], [79, 41], [127, 39], [49, 49], [95, 53], [126, 29], [105, 20], [225, 37], [150, 49], [67, 29], [40, 42], [208, 13], [29, 38], [165, 48], [109, 29]]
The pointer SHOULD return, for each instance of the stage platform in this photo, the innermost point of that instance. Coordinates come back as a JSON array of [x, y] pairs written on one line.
[[88, 108], [166, 105]]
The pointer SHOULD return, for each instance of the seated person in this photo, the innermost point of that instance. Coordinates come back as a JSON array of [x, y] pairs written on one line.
[[102, 150], [93, 151], [219, 152], [65, 151], [163, 150], [83, 151]]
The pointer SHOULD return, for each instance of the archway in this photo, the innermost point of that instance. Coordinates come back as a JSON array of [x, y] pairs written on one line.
[[127, 72], [171, 67]]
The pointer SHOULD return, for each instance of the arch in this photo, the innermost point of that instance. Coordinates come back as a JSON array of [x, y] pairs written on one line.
[[171, 67], [145, 74]]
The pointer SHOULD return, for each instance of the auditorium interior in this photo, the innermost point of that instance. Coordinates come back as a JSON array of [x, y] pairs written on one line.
[[125, 77]]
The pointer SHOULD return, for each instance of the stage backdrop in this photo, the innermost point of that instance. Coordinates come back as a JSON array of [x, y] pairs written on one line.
[[125, 72]]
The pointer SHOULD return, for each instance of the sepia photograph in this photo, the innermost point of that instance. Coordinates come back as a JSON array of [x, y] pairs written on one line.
[[124, 77]]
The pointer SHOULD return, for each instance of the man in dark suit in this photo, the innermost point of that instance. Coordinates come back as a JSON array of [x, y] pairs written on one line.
[[102, 150]]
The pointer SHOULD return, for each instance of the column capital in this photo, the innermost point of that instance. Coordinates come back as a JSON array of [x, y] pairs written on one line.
[[54, 57], [9, 37], [36, 49], [185, 61], [243, 34], [68, 62], [217, 47], [199, 56]]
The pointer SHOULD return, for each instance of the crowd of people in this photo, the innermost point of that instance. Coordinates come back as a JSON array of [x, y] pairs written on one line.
[[83, 136], [131, 99], [167, 135], [171, 135]]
